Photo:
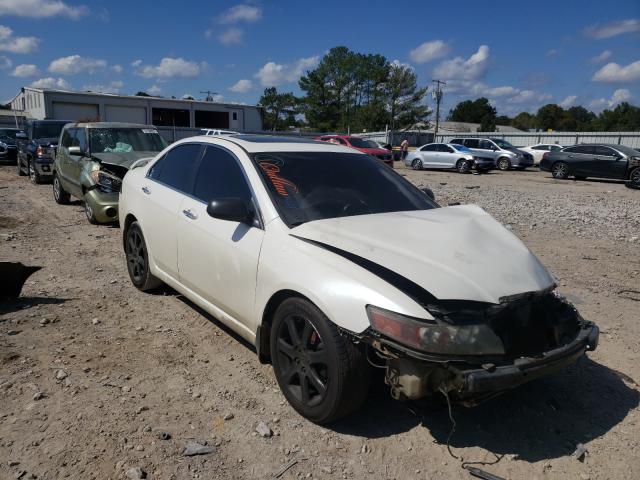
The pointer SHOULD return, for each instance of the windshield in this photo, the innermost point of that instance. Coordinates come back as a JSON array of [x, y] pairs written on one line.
[[502, 143], [361, 143], [8, 133], [48, 129], [307, 186], [123, 140], [460, 148]]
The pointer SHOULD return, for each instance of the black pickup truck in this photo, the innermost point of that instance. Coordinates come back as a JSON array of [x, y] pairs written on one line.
[[37, 148]]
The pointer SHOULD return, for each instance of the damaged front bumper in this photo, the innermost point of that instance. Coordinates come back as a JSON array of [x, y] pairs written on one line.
[[490, 379]]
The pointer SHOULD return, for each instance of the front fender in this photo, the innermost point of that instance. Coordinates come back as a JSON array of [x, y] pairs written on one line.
[[338, 287]]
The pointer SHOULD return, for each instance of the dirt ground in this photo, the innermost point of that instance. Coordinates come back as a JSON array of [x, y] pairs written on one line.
[[92, 371]]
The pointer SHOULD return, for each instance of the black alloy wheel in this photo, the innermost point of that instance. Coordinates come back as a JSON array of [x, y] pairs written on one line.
[[463, 166], [34, 176], [323, 375], [504, 164], [20, 171], [416, 164], [634, 178], [135, 249]]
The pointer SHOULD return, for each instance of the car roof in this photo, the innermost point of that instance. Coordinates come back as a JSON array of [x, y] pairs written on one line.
[[269, 143], [622, 148], [108, 125]]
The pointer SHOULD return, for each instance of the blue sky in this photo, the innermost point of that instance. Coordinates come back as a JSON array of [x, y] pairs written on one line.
[[520, 55]]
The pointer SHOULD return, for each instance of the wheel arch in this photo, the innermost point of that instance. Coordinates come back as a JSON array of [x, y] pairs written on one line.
[[263, 333]]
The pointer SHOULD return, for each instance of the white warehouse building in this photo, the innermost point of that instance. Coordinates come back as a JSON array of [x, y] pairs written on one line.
[[44, 103]]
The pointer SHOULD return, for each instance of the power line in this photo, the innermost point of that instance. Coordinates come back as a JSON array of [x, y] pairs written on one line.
[[437, 96], [210, 95]]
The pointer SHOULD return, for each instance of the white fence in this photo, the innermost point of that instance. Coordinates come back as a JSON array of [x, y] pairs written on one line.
[[523, 139]]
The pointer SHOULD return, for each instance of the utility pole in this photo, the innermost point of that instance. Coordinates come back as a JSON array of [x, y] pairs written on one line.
[[210, 95], [437, 96]]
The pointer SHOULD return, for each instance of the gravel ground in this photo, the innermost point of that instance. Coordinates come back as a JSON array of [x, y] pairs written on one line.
[[100, 381]]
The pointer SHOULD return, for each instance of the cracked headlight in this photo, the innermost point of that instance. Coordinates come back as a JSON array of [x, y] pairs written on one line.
[[433, 337], [106, 182]]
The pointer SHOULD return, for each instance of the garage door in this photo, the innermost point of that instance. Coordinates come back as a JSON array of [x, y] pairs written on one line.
[[75, 111], [121, 113]]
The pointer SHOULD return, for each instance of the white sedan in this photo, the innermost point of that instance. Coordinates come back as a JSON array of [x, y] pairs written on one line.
[[328, 261], [539, 149], [441, 156]]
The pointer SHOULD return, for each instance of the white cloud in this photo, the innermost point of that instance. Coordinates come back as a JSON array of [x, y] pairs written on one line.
[[619, 96], [112, 87], [25, 70], [154, 90], [231, 36], [75, 64], [472, 68], [601, 57], [242, 86], [613, 29], [168, 68], [50, 82], [397, 63], [136, 63], [429, 51], [552, 53], [5, 62], [614, 73], [117, 68], [529, 97], [9, 43], [241, 13], [569, 101], [500, 91], [41, 9], [208, 33], [274, 74]]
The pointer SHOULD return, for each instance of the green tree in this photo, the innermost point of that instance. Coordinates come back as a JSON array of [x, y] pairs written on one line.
[[550, 117], [474, 111], [276, 107], [404, 98], [524, 121], [623, 118]]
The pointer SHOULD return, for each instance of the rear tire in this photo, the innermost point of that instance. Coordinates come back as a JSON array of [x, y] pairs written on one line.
[[60, 195], [322, 374], [34, 176], [417, 164], [88, 212], [504, 164], [20, 172], [560, 170], [137, 255]]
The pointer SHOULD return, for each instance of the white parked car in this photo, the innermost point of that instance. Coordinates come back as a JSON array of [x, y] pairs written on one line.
[[441, 156], [539, 149], [327, 260], [215, 132]]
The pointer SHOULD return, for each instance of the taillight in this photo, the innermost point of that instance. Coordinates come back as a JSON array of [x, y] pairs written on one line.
[[39, 151]]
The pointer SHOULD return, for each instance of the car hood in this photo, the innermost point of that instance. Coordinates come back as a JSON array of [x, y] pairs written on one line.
[[455, 253], [8, 140], [122, 159]]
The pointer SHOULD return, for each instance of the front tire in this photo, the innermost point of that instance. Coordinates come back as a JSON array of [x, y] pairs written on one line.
[[20, 171], [463, 166], [417, 164], [135, 249], [60, 195], [634, 178], [88, 212], [322, 374], [504, 164], [560, 170]]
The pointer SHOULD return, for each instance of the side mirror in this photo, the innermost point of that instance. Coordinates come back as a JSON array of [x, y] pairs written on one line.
[[76, 152], [21, 135], [429, 193], [230, 209]]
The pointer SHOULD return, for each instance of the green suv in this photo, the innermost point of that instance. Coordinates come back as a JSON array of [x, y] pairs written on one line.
[[93, 158]]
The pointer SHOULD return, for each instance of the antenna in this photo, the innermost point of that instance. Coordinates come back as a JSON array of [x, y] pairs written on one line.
[[210, 95]]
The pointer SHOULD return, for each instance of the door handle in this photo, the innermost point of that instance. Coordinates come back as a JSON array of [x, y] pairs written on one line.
[[189, 214], [146, 190]]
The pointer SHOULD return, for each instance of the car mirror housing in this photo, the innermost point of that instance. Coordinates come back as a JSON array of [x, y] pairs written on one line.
[[76, 152], [230, 209]]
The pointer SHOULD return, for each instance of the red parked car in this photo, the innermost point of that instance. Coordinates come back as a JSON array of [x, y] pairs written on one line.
[[365, 146]]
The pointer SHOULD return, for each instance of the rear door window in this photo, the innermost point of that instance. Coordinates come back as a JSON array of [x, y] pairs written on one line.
[[220, 176], [582, 149], [444, 148], [486, 145], [605, 151], [176, 169], [67, 135], [471, 143], [430, 148]]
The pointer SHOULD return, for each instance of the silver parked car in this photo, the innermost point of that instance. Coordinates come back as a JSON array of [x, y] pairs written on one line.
[[441, 156], [504, 155]]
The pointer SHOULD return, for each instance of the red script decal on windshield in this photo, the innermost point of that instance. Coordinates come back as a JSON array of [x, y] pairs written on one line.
[[280, 184]]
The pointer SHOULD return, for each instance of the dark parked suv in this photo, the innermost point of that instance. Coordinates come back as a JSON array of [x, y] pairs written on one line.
[[594, 160], [8, 146], [37, 148]]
